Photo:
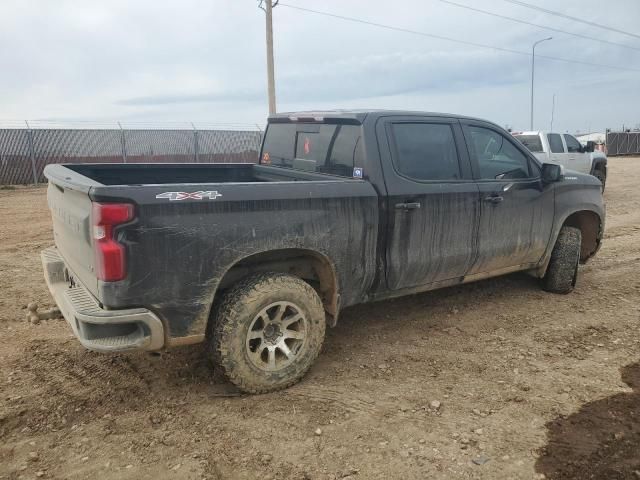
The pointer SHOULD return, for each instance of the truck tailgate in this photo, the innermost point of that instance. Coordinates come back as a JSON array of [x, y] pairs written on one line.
[[71, 214]]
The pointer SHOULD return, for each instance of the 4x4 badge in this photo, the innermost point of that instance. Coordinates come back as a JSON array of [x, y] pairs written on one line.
[[172, 196]]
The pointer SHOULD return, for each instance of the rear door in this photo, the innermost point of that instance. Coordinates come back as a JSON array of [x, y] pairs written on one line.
[[432, 202], [516, 207], [578, 159]]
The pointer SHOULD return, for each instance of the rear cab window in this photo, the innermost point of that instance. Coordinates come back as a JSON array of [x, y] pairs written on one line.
[[334, 149], [532, 142]]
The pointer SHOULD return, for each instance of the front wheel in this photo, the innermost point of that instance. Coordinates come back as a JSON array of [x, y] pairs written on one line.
[[562, 271], [267, 331]]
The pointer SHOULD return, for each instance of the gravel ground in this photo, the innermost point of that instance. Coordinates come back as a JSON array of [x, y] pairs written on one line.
[[496, 379]]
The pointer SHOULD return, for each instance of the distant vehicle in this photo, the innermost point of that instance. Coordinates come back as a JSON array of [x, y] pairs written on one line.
[[343, 208], [566, 150]]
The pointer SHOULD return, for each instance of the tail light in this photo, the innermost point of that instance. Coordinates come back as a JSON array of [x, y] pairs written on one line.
[[110, 256]]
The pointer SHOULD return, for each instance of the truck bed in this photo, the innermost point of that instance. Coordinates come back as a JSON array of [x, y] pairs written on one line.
[[192, 222], [191, 173]]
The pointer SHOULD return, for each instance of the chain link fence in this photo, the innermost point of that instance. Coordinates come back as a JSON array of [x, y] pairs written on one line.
[[623, 143], [24, 152]]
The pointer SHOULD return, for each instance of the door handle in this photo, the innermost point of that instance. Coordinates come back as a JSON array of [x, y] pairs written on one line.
[[408, 206], [495, 199]]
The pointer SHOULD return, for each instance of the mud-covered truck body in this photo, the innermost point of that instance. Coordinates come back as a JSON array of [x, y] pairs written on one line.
[[342, 208]]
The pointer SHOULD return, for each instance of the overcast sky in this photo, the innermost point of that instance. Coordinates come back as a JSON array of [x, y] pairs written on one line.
[[203, 61]]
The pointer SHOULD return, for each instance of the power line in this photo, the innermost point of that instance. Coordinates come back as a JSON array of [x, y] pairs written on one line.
[[569, 17], [467, 7], [455, 40]]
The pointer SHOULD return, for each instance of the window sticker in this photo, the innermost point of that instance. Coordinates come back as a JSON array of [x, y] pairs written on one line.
[[357, 172], [266, 158]]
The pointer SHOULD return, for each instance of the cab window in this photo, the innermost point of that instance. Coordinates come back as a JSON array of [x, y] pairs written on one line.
[[532, 142], [496, 156], [573, 145], [324, 148], [555, 143], [425, 151]]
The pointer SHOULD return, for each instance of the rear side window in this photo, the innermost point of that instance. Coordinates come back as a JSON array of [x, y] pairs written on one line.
[[532, 142], [555, 143], [426, 151], [322, 148], [573, 145]]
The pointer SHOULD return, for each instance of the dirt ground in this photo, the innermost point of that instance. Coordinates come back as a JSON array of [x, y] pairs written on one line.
[[530, 384]]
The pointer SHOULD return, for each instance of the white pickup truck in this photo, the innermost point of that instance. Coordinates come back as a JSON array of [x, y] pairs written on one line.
[[566, 150]]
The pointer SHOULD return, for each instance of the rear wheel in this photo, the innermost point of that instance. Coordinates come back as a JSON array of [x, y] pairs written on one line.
[[267, 331], [600, 175], [562, 271]]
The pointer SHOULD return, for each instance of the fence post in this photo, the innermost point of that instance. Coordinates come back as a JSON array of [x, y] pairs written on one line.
[[32, 153], [123, 143], [196, 145]]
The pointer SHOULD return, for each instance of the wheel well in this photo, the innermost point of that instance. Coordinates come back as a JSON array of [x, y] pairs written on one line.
[[589, 224], [314, 268]]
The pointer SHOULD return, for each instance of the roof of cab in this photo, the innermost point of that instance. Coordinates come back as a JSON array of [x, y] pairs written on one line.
[[356, 115]]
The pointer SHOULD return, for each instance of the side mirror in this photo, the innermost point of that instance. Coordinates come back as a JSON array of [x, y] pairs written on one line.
[[591, 146], [552, 172]]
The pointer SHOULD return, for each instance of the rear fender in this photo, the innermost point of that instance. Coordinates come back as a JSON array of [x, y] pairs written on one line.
[[313, 267]]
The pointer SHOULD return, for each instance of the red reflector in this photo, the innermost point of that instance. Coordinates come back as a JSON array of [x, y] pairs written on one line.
[[110, 256], [112, 213], [110, 261]]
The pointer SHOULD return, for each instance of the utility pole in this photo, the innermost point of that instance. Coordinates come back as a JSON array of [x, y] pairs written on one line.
[[533, 69], [271, 82], [553, 110]]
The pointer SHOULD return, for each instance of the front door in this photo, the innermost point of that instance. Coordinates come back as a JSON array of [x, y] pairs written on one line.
[[579, 160], [516, 207], [432, 202]]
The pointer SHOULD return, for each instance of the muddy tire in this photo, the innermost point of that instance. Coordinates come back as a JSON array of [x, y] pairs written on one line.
[[562, 271], [602, 176], [267, 331]]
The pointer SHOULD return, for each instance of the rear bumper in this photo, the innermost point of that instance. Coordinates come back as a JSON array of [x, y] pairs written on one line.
[[97, 328]]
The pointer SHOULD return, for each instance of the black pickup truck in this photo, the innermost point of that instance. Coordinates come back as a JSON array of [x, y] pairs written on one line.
[[343, 207]]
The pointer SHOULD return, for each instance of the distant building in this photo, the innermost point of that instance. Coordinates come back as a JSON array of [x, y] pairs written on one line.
[[598, 138]]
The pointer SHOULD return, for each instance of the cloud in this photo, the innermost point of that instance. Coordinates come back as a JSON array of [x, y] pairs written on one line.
[[400, 73], [204, 61], [369, 77], [168, 99]]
